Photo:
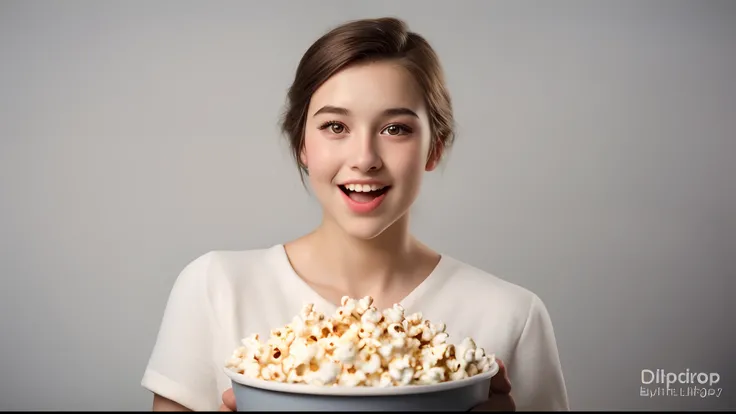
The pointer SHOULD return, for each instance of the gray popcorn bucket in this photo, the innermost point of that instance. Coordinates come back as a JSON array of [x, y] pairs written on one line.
[[261, 395]]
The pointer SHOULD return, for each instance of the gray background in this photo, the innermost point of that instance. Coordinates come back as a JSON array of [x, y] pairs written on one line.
[[594, 166]]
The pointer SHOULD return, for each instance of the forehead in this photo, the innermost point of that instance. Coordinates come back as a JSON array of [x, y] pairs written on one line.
[[368, 89]]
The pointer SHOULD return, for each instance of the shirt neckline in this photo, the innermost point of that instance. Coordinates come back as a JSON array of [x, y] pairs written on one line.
[[435, 278]]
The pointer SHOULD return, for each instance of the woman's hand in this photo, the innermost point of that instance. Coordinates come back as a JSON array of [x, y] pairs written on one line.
[[499, 397], [228, 400]]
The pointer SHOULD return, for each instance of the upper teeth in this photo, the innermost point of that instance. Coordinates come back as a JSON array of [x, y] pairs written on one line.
[[364, 188]]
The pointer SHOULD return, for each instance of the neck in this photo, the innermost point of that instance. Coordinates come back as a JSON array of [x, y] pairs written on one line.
[[362, 267]]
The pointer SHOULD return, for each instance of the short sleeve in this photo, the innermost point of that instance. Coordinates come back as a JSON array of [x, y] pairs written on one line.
[[180, 367], [534, 370]]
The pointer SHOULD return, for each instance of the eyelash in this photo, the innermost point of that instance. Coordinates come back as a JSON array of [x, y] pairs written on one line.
[[406, 129], [331, 123]]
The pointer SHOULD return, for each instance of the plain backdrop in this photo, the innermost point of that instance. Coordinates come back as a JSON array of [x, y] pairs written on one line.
[[595, 165]]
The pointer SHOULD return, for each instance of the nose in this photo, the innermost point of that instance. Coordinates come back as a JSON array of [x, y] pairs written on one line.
[[365, 154]]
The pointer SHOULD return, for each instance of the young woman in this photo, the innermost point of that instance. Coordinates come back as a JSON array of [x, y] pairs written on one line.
[[368, 114]]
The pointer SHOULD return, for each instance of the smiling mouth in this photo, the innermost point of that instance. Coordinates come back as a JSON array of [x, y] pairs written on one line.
[[363, 193]]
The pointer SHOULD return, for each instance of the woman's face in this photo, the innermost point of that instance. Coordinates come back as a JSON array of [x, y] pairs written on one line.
[[366, 146]]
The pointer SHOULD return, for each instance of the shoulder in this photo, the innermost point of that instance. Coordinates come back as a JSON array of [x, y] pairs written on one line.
[[494, 293], [216, 270], [477, 303], [512, 322]]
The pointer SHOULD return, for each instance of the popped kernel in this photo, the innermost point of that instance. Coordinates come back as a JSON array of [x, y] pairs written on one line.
[[394, 314], [363, 305]]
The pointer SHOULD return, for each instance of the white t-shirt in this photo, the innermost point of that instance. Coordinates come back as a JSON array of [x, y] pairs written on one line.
[[224, 296]]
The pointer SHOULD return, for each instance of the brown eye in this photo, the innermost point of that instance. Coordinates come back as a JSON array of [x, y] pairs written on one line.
[[337, 128], [396, 129]]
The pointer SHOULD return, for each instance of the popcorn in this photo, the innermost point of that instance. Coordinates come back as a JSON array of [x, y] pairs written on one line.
[[385, 380], [414, 319], [277, 354], [303, 352], [359, 346], [484, 365], [352, 378], [369, 362], [253, 345], [472, 369], [363, 305], [401, 370], [433, 375], [386, 351], [250, 368], [394, 314], [439, 339], [371, 316], [346, 352], [458, 375], [431, 357], [396, 330], [326, 374], [455, 365]]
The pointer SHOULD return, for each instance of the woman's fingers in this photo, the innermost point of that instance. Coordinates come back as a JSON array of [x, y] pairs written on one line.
[[500, 382], [498, 402], [228, 400]]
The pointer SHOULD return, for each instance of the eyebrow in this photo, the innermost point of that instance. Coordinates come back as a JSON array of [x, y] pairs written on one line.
[[329, 109]]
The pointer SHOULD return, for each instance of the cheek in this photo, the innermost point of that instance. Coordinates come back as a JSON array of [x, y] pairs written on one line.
[[406, 163], [321, 161]]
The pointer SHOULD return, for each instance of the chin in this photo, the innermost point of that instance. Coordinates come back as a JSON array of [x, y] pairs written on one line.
[[367, 230]]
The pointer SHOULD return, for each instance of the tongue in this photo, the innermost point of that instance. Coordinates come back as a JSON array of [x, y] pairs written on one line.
[[363, 197]]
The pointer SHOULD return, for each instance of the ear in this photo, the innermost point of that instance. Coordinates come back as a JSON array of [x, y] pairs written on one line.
[[303, 157], [435, 155]]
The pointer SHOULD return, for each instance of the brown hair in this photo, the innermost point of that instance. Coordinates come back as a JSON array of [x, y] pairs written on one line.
[[362, 40]]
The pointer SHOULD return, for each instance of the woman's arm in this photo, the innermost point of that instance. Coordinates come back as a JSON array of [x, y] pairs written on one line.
[[534, 369], [180, 369], [164, 404]]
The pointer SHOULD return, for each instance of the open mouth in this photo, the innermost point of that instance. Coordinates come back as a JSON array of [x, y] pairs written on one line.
[[364, 193]]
